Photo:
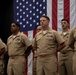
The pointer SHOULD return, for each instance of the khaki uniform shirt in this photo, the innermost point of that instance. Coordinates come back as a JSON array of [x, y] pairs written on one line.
[[47, 43], [72, 38], [35, 51], [2, 45], [17, 44], [66, 37]]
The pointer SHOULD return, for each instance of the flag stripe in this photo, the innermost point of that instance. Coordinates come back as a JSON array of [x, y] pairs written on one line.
[[30, 57], [30, 64], [49, 9], [60, 14], [67, 10], [54, 14], [34, 32], [72, 13]]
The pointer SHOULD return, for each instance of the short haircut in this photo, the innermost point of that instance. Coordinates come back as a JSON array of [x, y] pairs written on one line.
[[65, 20], [46, 17], [17, 24]]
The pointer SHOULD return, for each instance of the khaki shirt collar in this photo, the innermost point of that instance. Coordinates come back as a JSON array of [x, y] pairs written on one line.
[[18, 34], [48, 30], [66, 32]]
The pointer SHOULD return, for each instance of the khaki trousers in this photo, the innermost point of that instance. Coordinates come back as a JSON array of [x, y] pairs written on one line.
[[46, 65], [16, 65], [74, 63], [66, 63]]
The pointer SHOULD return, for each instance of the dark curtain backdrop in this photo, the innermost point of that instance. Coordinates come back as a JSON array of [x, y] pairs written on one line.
[[6, 17]]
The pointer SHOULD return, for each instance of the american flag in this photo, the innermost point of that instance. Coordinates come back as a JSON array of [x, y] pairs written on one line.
[[28, 13]]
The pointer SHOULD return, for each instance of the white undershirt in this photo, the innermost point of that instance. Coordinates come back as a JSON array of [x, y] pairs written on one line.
[[14, 36], [64, 33], [44, 31]]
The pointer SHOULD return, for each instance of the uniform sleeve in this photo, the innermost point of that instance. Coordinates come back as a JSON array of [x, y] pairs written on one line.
[[71, 37], [5, 46], [1, 44], [25, 40], [58, 38]]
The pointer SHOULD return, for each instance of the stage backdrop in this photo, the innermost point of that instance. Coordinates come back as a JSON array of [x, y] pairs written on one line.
[[28, 13]]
